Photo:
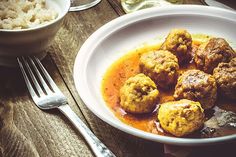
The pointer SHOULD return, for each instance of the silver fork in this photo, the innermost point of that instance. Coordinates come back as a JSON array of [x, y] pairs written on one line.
[[46, 95]]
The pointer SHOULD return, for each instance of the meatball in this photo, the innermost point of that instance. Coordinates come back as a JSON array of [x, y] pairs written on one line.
[[197, 86], [213, 52], [225, 75], [181, 117], [139, 94], [179, 42], [161, 66]]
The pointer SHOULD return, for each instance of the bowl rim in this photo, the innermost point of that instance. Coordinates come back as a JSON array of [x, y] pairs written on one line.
[[41, 26], [84, 55]]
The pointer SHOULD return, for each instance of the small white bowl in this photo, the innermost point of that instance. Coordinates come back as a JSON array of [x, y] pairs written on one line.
[[31, 41]]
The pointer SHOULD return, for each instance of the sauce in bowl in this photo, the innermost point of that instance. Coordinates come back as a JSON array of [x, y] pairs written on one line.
[[219, 121]]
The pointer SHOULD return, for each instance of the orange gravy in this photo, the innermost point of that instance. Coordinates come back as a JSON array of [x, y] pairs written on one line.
[[128, 66]]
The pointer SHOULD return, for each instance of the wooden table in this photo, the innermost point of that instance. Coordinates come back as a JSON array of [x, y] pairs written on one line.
[[27, 131]]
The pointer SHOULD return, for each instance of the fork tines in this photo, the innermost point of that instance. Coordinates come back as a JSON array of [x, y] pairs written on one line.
[[37, 79]]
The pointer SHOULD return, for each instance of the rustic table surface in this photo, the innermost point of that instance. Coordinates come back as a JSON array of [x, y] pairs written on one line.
[[27, 131]]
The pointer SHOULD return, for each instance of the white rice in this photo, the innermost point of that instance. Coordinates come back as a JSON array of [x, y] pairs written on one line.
[[23, 14]]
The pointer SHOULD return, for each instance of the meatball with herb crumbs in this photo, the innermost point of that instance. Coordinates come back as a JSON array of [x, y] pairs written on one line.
[[179, 42], [225, 75], [197, 86], [161, 66], [213, 52], [139, 94], [181, 117]]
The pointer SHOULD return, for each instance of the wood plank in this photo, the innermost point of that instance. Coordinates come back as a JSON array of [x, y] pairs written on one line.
[[116, 5], [76, 29], [27, 131]]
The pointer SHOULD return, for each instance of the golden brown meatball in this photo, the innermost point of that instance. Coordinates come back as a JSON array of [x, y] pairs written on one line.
[[181, 117], [139, 94], [179, 42], [225, 75], [197, 86], [161, 66], [213, 52]]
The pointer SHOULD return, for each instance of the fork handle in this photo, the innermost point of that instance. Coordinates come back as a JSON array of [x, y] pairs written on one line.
[[98, 148]]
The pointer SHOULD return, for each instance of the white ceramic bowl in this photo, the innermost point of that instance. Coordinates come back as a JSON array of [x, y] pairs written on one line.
[[34, 40], [115, 38]]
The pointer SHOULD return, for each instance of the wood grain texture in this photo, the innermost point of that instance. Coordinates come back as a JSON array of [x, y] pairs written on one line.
[[30, 131], [116, 5], [12, 141]]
